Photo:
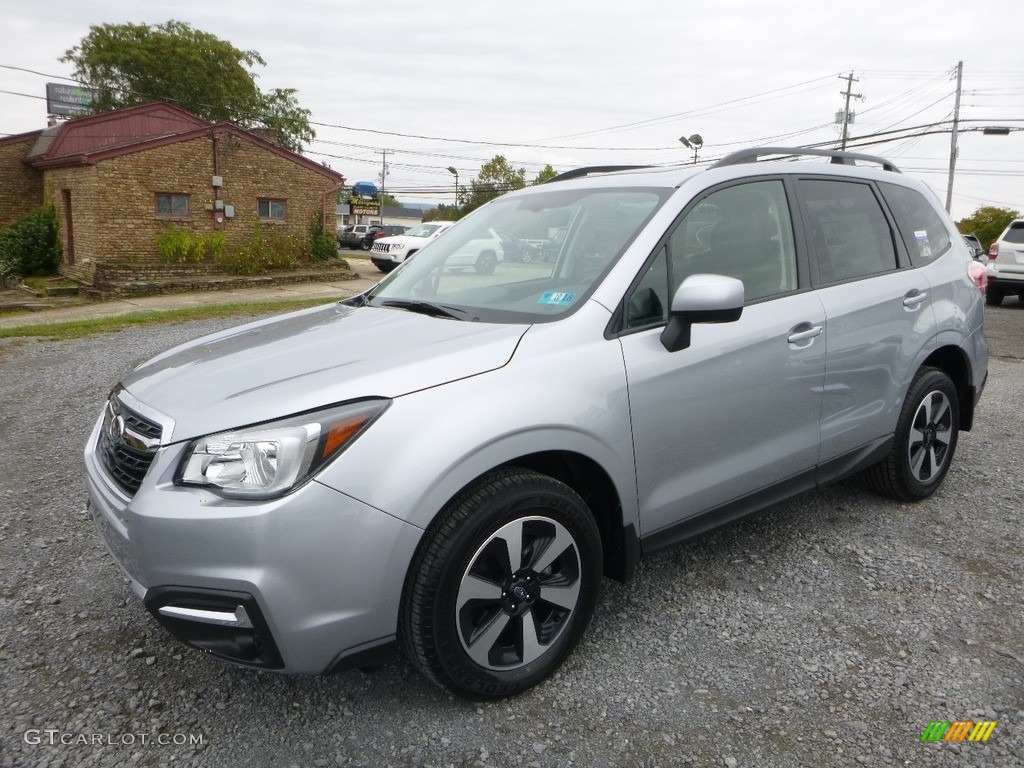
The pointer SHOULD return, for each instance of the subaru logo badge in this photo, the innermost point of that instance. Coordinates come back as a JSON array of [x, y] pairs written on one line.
[[115, 429]]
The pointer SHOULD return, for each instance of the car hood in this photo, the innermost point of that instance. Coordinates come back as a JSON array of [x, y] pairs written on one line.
[[404, 239], [310, 359]]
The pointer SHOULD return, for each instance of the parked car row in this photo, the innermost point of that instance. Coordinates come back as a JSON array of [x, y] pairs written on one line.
[[362, 236]]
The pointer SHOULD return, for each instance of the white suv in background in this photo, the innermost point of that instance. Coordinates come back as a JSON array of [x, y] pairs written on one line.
[[388, 252], [1006, 264]]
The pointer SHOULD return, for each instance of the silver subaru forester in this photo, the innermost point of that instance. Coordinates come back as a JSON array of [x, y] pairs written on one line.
[[451, 461]]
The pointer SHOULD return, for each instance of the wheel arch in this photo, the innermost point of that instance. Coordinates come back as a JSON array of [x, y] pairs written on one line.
[[619, 542], [952, 361]]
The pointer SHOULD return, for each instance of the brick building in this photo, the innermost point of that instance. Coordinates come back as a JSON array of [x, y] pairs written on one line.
[[118, 179]]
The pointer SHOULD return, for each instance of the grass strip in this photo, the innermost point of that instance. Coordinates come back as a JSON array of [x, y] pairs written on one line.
[[76, 329]]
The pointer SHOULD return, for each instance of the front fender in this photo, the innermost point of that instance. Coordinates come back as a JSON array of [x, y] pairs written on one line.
[[554, 395]]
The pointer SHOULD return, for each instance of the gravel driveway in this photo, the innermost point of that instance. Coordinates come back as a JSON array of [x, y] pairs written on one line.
[[828, 631]]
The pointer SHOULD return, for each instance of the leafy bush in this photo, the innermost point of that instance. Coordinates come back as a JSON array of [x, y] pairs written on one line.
[[31, 245], [323, 245], [181, 245], [266, 249]]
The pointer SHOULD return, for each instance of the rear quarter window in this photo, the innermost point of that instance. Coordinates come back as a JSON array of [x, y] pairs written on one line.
[[1015, 234], [924, 235]]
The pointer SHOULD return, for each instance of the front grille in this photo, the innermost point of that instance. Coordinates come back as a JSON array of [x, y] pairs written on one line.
[[126, 463], [381, 247]]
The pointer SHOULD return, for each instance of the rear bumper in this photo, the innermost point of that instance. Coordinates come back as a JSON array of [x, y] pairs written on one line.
[[1005, 282]]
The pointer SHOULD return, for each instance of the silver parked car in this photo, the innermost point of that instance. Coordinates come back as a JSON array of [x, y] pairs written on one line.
[[451, 461]]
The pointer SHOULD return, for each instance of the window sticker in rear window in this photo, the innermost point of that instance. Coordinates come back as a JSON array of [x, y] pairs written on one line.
[[924, 249]]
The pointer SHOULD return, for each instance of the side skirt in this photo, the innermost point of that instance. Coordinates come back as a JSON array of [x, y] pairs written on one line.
[[822, 475]]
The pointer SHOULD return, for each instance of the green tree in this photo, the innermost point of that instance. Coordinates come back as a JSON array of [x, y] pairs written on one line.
[[132, 64], [546, 174], [988, 223], [441, 213], [496, 177]]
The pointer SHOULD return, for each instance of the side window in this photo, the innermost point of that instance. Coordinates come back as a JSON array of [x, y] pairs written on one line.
[[649, 302], [920, 226], [743, 231], [172, 206], [273, 210], [850, 234]]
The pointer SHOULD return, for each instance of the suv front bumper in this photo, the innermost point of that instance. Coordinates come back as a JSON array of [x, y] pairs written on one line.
[[318, 575]]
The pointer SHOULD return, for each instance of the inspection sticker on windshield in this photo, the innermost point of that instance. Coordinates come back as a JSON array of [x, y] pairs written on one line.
[[558, 298]]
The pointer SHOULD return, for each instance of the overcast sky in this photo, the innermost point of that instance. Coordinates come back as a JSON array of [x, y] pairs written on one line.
[[569, 83]]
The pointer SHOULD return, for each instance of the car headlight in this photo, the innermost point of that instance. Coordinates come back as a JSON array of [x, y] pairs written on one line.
[[272, 459]]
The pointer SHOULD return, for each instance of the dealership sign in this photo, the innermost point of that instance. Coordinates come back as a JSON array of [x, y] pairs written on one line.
[[68, 100]]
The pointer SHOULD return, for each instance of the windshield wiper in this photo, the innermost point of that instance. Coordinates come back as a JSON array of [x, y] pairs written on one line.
[[426, 308], [359, 300]]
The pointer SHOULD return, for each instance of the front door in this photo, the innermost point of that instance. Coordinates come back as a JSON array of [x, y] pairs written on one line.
[[739, 409]]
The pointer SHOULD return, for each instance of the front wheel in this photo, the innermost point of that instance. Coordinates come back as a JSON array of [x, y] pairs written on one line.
[[486, 262], [925, 439], [502, 587], [993, 298]]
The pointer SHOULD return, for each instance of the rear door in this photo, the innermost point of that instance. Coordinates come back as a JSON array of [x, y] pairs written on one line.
[[878, 315]]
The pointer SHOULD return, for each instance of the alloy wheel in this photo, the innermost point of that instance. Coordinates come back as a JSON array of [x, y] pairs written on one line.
[[518, 593]]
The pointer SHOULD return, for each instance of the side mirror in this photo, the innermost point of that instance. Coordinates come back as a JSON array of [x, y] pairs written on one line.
[[701, 299]]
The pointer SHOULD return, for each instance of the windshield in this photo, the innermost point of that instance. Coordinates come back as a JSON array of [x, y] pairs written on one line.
[[423, 230], [523, 259]]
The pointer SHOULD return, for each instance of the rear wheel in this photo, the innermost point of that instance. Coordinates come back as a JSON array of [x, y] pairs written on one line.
[[993, 298], [502, 587], [925, 439]]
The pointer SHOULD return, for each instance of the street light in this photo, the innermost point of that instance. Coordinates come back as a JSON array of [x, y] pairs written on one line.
[[451, 169], [694, 142]]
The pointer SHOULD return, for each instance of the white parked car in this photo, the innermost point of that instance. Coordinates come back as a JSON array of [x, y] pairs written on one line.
[[1006, 264], [388, 252]]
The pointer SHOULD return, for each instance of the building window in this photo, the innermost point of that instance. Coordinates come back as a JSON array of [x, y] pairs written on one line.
[[270, 209], [172, 206]]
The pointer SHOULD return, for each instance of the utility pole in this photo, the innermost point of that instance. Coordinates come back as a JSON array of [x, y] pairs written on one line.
[[383, 175], [850, 80], [953, 149]]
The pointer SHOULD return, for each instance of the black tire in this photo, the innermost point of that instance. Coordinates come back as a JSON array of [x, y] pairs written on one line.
[[366, 245], [386, 266], [486, 262], [474, 623], [993, 298], [925, 440]]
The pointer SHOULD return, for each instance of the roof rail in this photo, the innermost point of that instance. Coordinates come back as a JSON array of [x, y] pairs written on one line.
[[839, 157], [576, 173]]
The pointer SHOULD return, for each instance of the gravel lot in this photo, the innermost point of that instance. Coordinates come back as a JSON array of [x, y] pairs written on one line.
[[828, 631]]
